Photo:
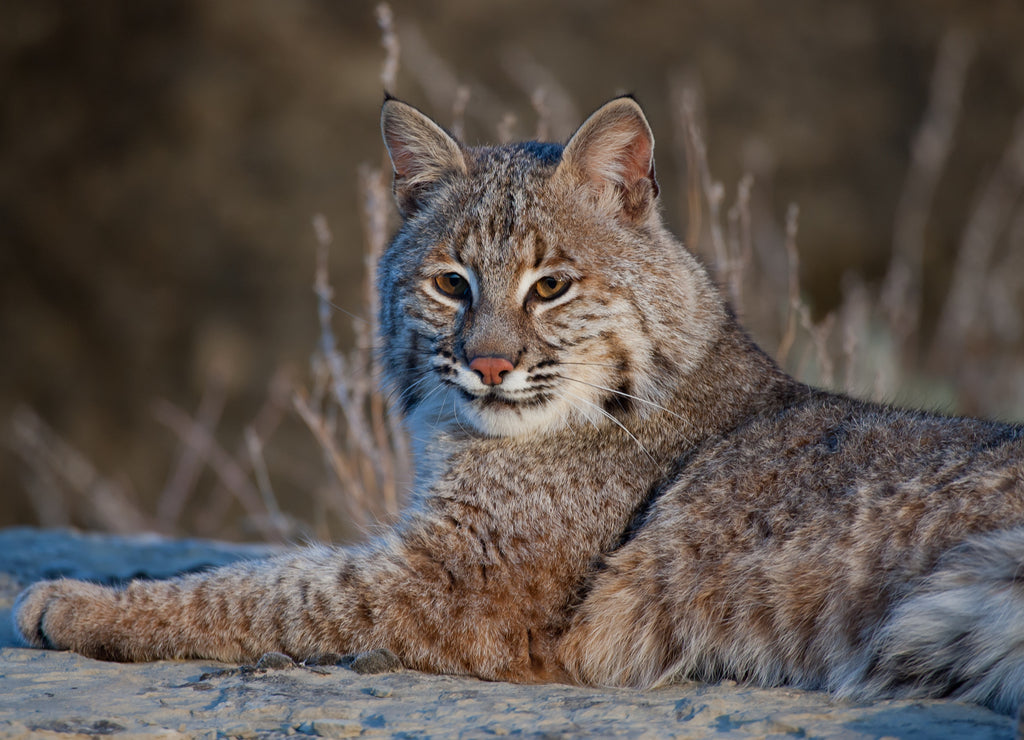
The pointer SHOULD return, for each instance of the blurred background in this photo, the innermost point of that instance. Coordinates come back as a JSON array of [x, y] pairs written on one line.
[[161, 163]]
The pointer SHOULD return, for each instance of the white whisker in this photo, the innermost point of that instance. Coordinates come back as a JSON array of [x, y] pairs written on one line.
[[614, 366], [401, 397], [615, 421], [627, 395]]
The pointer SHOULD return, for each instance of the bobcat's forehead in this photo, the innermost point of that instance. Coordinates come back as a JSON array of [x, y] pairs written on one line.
[[502, 217]]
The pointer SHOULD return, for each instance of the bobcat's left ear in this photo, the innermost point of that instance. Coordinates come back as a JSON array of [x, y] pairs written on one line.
[[421, 152], [614, 151]]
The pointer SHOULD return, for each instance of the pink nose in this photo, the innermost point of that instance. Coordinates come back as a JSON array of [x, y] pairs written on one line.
[[490, 369]]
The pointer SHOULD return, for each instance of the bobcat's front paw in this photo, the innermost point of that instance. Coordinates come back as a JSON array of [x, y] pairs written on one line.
[[52, 614]]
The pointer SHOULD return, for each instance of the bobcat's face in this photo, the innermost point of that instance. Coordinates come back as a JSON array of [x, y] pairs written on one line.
[[527, 289], [513, 322]]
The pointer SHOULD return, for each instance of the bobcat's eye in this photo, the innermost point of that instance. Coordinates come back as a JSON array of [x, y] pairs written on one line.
[[550, 287], [453, 284]]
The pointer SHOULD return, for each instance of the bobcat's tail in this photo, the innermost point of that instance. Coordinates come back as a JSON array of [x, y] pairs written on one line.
[[959, 634]]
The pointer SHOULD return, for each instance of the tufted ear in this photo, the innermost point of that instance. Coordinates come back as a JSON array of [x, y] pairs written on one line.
[[613, 151], [421, 152]]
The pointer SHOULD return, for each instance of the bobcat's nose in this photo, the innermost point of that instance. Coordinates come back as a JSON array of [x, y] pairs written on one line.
[[490, 369]]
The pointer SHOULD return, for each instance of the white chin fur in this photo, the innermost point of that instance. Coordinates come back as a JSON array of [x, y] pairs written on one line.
[[516, 422], [448, 411], [446, 408]]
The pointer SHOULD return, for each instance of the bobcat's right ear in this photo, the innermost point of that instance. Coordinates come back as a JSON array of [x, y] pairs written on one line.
[[421, 152]]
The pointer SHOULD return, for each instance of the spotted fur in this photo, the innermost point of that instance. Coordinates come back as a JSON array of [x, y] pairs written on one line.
[[643, 495]]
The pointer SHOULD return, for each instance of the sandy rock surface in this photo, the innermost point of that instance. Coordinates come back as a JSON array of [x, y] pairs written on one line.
[[62, 695]]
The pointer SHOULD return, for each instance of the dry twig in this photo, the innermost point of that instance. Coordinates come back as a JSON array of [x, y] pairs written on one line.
[[389, 40], [901, 292], [793, 306], [990, 215]]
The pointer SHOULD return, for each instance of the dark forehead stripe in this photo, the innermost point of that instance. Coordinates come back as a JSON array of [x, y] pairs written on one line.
[[543, 151], [494, 204], [540, 248], [515, 162], [506, 178]]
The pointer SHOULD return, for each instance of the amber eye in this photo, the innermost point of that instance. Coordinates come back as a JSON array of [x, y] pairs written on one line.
[[550, 287], [453, 284]]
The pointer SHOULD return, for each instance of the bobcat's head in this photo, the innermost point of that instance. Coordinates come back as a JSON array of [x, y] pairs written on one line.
[[533, 285]]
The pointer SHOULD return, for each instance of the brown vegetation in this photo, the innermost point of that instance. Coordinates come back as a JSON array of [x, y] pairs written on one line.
[[895, 337]]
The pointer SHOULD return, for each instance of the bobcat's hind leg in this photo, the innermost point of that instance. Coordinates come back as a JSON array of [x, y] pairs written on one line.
[[620, 635]]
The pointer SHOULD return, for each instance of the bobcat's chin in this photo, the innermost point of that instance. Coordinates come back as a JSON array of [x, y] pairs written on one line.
[[497, 417]]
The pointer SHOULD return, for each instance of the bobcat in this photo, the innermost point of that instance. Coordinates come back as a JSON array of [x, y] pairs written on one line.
[[614, 485]]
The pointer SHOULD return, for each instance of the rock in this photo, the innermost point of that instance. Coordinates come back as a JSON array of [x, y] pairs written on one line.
[[333, 728]]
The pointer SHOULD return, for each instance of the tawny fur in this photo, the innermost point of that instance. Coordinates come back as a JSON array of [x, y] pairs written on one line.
[[644, 495]]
